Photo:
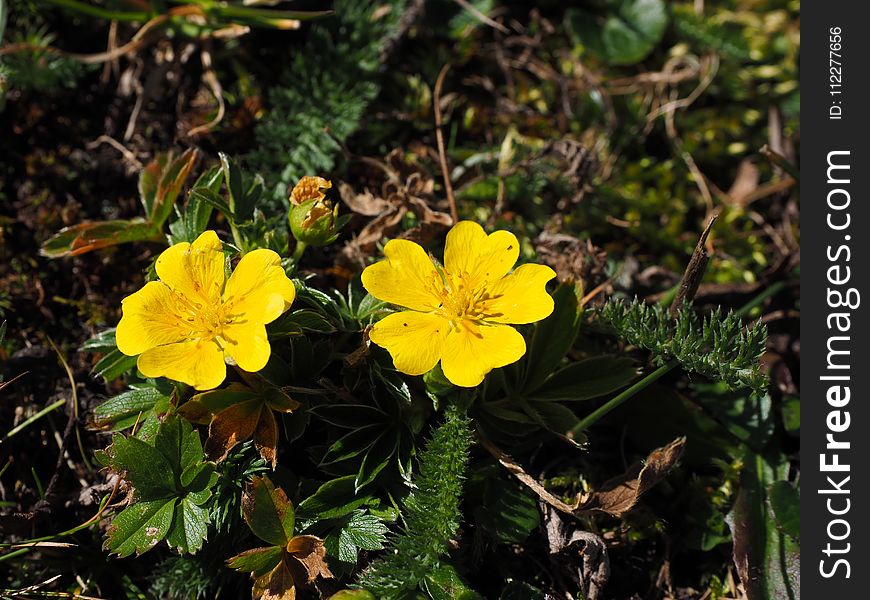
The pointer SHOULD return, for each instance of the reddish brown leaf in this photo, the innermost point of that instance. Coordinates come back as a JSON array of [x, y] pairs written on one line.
[[309, 553], [266, 437], [277, 584], [232, 426]]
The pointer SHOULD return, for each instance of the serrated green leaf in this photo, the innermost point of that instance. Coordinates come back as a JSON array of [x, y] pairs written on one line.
[[506, 514], [585, 379], [146, 468], [125, 409], [352, 444], [268, 512], [139, 527], [179, 443], [365, 531], [189, 527]]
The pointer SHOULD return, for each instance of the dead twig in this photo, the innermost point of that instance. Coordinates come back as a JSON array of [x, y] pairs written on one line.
[[439, 137], [694, 271]]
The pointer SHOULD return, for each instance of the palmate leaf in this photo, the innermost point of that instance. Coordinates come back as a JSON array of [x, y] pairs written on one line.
[[170, 482]]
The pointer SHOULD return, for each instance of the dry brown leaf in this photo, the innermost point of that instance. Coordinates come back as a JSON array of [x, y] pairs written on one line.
[[277, 584], [266, 437], [232, 426], [616, 496], [309, 552], [619, 494]]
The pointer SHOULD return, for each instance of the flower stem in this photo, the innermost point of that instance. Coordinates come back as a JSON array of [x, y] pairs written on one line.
[[299, 251]]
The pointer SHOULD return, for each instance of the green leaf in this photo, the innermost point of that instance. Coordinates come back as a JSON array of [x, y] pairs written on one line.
[[791, 414], [335, 498], [785, 500], [552, 337], [146, 468], [626, 33], [520, 590], [213, 199], [444, 583], [352, 444], [365, 531], [585, 379], [189, 527], [139, 527], [268, 512], [258, 561], [243, 195], [355, 532], [113, 365], [767, 560], [299, 321], [125, 409], [353, 595], [88, 236], [349, 416], [377, 457], [102, 342], [160, 183], [168, 468], [194, 217], [179, 443], [506, 514]]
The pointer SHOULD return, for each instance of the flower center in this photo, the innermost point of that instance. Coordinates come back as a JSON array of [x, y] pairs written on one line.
[[202, 320], [460, 299]]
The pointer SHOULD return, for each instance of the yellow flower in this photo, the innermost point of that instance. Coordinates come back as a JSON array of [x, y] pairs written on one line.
[[187, 324], [458, 313]]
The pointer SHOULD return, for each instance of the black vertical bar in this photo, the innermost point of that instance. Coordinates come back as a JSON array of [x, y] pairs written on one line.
[[835, 266]]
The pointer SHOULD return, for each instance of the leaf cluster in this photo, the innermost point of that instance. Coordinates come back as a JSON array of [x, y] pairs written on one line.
[[170, 486]]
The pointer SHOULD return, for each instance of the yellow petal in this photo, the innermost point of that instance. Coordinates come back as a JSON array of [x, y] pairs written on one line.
[[474, 350], [248, 345], [406, 278], [259, 289], [200, 364], [196, 271], [415, 340], [149, 318], [485, 258], [520, 297]]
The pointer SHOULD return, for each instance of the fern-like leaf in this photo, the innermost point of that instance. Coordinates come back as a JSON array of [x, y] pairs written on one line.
[[431, 513], [716, 346]]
